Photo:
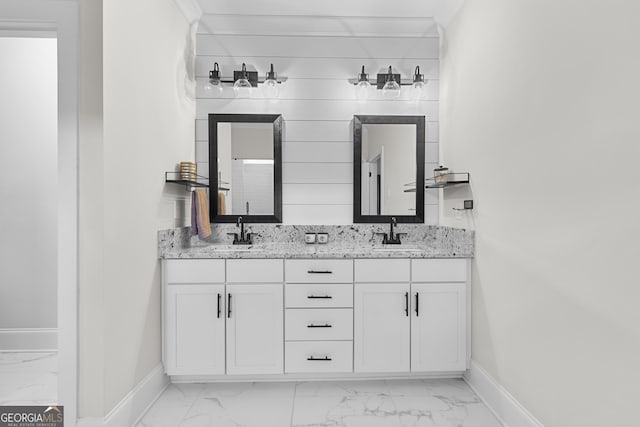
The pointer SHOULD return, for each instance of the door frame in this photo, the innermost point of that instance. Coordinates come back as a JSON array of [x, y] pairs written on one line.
[[44, 18]]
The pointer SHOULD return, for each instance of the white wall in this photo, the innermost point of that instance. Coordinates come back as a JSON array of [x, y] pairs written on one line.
[[28, 184], [540, 104], [148, 114], [318, 55]]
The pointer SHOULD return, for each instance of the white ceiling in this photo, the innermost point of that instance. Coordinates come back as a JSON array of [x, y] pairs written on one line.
[[441, 10]]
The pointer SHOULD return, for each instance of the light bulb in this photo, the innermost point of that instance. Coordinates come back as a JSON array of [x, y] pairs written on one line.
[[417, 86], [363, 86], [213, 87], [391, 89], [416, 91], [271, 88], [242, 88], [362, 90]]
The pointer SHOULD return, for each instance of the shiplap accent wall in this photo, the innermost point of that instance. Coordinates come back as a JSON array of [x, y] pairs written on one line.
[[318, 55]]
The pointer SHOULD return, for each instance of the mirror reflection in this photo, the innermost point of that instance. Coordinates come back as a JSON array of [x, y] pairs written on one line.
[[388, 169], [245, 168]]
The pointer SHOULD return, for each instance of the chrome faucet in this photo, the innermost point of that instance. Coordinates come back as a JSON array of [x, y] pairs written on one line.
[[392, 238], [242, 238]]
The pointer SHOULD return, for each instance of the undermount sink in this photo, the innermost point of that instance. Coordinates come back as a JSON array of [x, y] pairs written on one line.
[[397, 248]]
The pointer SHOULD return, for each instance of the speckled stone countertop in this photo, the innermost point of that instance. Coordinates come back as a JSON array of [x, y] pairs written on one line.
[[345, 241]]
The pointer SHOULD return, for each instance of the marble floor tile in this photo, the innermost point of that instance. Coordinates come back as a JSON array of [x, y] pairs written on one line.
[[401, 403], [29, 378], [172, 405]]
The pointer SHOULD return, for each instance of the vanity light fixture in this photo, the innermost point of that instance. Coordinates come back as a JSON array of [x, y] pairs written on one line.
[[390, 84], [362, 85], [244, 81]]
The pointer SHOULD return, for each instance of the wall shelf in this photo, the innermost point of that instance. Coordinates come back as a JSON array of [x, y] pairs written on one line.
[[174, 178], [452, 179]]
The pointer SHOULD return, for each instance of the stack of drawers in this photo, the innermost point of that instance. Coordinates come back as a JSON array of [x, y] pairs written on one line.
[[318, 316]]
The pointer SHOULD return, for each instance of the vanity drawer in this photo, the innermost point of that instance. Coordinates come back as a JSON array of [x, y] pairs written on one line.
[[318, 295], [439, 270], [382, 270], [318, 324], [318, 356], [319, 271], [194, 271], [254, 271]]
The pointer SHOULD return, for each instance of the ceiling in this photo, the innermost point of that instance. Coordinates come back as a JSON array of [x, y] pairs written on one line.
[[441, 10]]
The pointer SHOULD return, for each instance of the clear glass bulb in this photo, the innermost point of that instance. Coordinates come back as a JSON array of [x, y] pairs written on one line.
[[391, 89], [271, 88], [242, 88], [362, 90], [416, 91], [213, 87]]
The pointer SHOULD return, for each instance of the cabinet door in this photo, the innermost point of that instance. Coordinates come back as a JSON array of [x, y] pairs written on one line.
[[255, 342], [194, 329], [381, 327], [438, 327]]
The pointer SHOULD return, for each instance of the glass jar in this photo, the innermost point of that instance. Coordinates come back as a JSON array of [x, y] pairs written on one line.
[[441, 175]]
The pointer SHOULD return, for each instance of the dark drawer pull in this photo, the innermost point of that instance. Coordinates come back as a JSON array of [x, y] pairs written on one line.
[[320, 359], [326, 325], [319, 272], [319, 297]]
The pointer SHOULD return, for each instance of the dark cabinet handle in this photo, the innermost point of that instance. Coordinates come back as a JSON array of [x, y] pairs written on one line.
[[406, 304], [229, 306], [326, 325], [320, 359], [417, 304], [319, 297], [319, 272], [219, 311]]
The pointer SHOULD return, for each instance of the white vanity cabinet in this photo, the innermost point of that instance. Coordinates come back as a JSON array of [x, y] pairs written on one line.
[[305, 318], [215, 327], [410, 315], [194, 322]]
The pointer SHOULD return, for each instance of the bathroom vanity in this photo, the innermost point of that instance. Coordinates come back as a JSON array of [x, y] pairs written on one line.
[[283, 310]]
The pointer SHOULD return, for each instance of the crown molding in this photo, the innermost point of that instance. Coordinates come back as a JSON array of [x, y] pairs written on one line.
[[190, 9]]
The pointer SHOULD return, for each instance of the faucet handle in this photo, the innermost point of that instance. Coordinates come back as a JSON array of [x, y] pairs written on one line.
[[235, 236]]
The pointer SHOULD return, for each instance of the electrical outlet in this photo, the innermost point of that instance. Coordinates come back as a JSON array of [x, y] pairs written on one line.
[[468, 204]]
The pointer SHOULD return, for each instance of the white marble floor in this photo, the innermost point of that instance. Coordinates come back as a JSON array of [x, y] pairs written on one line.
[[401, 403], [28, 378]]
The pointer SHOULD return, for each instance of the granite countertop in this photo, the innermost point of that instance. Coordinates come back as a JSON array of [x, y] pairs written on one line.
[[348, 241]]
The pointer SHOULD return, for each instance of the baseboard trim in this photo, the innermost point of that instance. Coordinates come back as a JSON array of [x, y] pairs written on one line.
[[29, 339], [504, 406], [135, 404]]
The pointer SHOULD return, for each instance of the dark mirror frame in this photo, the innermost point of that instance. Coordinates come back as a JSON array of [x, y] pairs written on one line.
[[358, 121], [276, 119]]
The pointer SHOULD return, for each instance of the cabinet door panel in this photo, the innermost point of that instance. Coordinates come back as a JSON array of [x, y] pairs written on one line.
[[195, 333], [381, 329], [255, 329], [438, 327]]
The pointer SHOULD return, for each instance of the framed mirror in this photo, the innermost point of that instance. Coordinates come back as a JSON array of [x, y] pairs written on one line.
[[245, 167], [388, 161]]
